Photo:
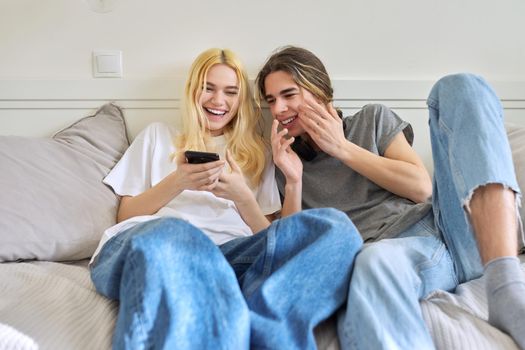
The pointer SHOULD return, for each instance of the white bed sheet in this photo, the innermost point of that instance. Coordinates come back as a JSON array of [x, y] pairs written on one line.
[[55, 306]]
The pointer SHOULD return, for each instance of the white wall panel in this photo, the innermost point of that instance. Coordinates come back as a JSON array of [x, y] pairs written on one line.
[[38, 108]]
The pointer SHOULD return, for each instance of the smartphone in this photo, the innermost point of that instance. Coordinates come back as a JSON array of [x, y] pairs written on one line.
[[196, 157]]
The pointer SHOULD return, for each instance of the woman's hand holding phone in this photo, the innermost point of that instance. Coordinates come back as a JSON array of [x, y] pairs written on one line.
[[197, 176], [232, 184]]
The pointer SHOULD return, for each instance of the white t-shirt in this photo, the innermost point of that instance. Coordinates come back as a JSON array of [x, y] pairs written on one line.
[[149, 159]]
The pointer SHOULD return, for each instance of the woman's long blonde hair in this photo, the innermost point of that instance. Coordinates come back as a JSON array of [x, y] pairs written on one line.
[[243, 133]]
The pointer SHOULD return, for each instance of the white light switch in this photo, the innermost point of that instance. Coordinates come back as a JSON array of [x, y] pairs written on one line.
[[107, 64]]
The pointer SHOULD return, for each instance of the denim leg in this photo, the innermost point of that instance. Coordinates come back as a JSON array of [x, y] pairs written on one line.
[[294, 275], [470, 149], [176, 289], [389, 279]]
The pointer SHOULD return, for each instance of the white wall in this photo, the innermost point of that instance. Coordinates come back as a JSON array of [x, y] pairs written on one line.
[[386, 51], [357, 39]]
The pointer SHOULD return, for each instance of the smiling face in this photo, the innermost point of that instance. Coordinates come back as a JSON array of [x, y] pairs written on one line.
[[287, 78], [219, 98], [284, 97]]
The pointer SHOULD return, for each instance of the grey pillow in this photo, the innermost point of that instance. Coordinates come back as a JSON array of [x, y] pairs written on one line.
[[54, 205], [516, 135]]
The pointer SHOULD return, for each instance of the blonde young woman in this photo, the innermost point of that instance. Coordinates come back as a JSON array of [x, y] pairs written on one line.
[[194, 259]]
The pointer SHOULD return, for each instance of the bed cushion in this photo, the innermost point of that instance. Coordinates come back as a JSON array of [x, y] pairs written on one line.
[[516, 135], [54, 205]]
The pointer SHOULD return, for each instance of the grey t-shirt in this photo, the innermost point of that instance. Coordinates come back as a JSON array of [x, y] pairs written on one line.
[[327, 182]]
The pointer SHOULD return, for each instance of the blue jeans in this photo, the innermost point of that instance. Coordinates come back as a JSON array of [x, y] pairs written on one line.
[[177, 290], [470, 149]]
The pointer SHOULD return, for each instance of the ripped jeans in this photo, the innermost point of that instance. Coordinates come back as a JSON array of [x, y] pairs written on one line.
[[470, 149]]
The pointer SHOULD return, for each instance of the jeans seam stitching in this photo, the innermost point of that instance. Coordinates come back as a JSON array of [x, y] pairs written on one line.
[[131, 261], [270, 250], [432, 262], [267, 264]]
